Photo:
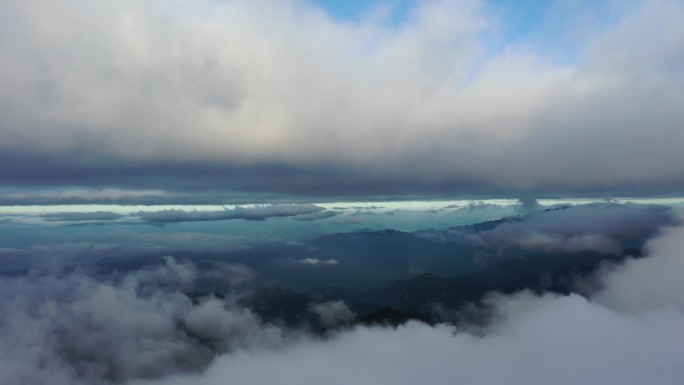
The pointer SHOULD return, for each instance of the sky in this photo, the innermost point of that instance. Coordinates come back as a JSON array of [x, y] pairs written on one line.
[[265, 101]]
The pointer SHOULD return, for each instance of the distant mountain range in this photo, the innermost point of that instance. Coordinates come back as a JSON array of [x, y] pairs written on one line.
[[422, 272], [427, 270], [421, 294]]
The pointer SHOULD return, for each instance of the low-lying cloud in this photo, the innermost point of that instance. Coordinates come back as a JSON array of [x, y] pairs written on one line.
[[333, 313], [79, 327], [624, 334]]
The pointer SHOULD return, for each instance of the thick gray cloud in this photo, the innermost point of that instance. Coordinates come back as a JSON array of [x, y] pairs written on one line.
[[199, 95], [77, 328]]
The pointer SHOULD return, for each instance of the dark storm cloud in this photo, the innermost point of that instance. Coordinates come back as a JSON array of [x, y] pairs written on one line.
[[256, 213], [187, 97], [153, 182]]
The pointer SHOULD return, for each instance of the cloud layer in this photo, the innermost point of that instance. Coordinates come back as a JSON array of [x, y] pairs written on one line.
[[136, 327], [81, 328], [627, 333], [278, 97]]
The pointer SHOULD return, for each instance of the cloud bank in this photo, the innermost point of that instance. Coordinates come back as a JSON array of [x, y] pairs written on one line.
[[627, 333], [276, 96], [136, 327]]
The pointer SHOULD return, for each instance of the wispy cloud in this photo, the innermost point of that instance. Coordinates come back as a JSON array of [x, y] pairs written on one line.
[[255, 213], [316, 261]]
